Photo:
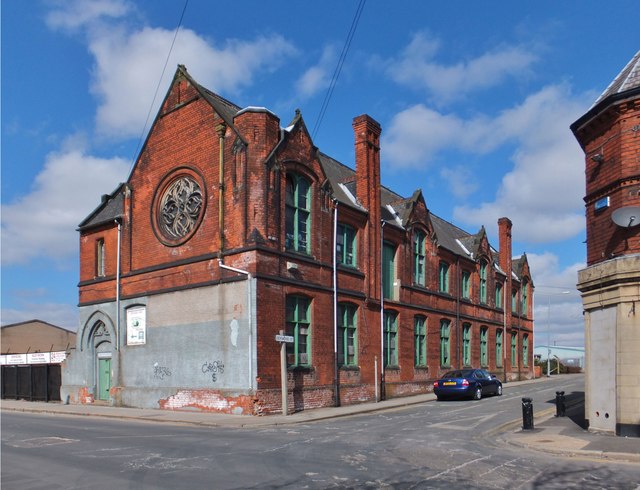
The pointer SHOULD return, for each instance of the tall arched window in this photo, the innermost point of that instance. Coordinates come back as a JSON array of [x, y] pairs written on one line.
[[483, 282], [525, 297], [297, 213], [418, 257]]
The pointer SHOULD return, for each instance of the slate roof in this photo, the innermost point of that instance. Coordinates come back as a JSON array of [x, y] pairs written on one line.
[[628, 79], [110, 209], [625, 85]]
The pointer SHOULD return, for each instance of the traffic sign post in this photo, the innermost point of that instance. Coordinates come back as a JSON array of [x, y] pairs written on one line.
[[284, 340]]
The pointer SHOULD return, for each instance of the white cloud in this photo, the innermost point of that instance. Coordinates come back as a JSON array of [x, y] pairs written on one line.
[[129, 62], [558, 305], [128, 67], [42, 223], [542, 193], [461, 181], [72, 15], [417, 69], [317, 77]]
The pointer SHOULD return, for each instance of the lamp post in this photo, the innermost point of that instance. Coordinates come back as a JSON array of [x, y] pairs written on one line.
[[549, 330]]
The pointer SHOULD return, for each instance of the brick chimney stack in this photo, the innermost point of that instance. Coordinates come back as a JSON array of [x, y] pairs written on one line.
[[367, 148], [506, 257]]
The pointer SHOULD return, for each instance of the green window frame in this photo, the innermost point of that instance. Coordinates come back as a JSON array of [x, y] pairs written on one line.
[[347, 335], [346, 245], [443, 277], [483, 282], [297, 213], [388, 269], [420, 340], [514, 349], [418, 258], [484, 351], [466, 284], [525, 350], [499, 295], [514, 301], [445, 343], [390, 341], [299, 327], [524, 300], [499, 342], [466, 344]]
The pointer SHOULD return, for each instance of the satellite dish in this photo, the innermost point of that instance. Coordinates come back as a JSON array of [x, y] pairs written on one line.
[[626, 217]]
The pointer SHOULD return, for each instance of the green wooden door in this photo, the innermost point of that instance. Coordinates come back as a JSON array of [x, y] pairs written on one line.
[[104, 378]]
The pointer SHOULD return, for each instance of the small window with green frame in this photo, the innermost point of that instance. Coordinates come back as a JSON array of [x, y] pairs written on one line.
[[483, 282], [445, 343], [347, 335], [418, 257], [443, 277], [466, 344], [390, 341], [420, 340], [388, 269], [484, 351], [299, 327], [297, 213], [466, 284], [499, 295], [499, 347], [346, 245]]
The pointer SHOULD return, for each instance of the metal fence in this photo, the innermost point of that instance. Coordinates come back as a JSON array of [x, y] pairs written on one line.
[[35, 382]]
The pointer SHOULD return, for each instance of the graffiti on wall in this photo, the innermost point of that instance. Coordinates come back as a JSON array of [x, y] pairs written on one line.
[[160, 372], [214, 368]]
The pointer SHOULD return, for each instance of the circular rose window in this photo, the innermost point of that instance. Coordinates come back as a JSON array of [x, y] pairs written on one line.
[[179, 206]]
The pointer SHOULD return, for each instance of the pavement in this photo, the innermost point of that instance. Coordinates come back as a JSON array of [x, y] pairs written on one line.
[[557, 435]]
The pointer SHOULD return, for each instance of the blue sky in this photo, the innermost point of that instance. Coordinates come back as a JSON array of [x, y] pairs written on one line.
[[475, 100]]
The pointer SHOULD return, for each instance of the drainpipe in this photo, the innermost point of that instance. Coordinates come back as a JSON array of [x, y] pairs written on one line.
[[459, 327], [382, 360], [506, 307], [118, 288], [336, 371], [249, 316], [221, 130]]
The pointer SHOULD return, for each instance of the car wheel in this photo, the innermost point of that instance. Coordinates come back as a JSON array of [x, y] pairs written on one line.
[[499, 390], [477, 394], [439, 398]]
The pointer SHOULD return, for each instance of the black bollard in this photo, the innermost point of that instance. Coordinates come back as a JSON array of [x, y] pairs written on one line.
[[560, 404], [527, 414]]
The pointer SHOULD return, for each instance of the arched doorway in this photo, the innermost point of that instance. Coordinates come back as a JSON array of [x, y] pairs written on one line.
[[101, 342]]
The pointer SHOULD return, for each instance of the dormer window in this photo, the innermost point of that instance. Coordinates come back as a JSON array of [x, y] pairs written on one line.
[[483, 282], [418, 258], [297, 213], [346, 245]]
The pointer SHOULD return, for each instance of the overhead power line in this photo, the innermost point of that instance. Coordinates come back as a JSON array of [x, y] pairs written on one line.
[[155, 95], [336, 72]]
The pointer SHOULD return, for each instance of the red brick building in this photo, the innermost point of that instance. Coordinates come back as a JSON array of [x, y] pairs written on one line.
[[609, 134], [232, 228]]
